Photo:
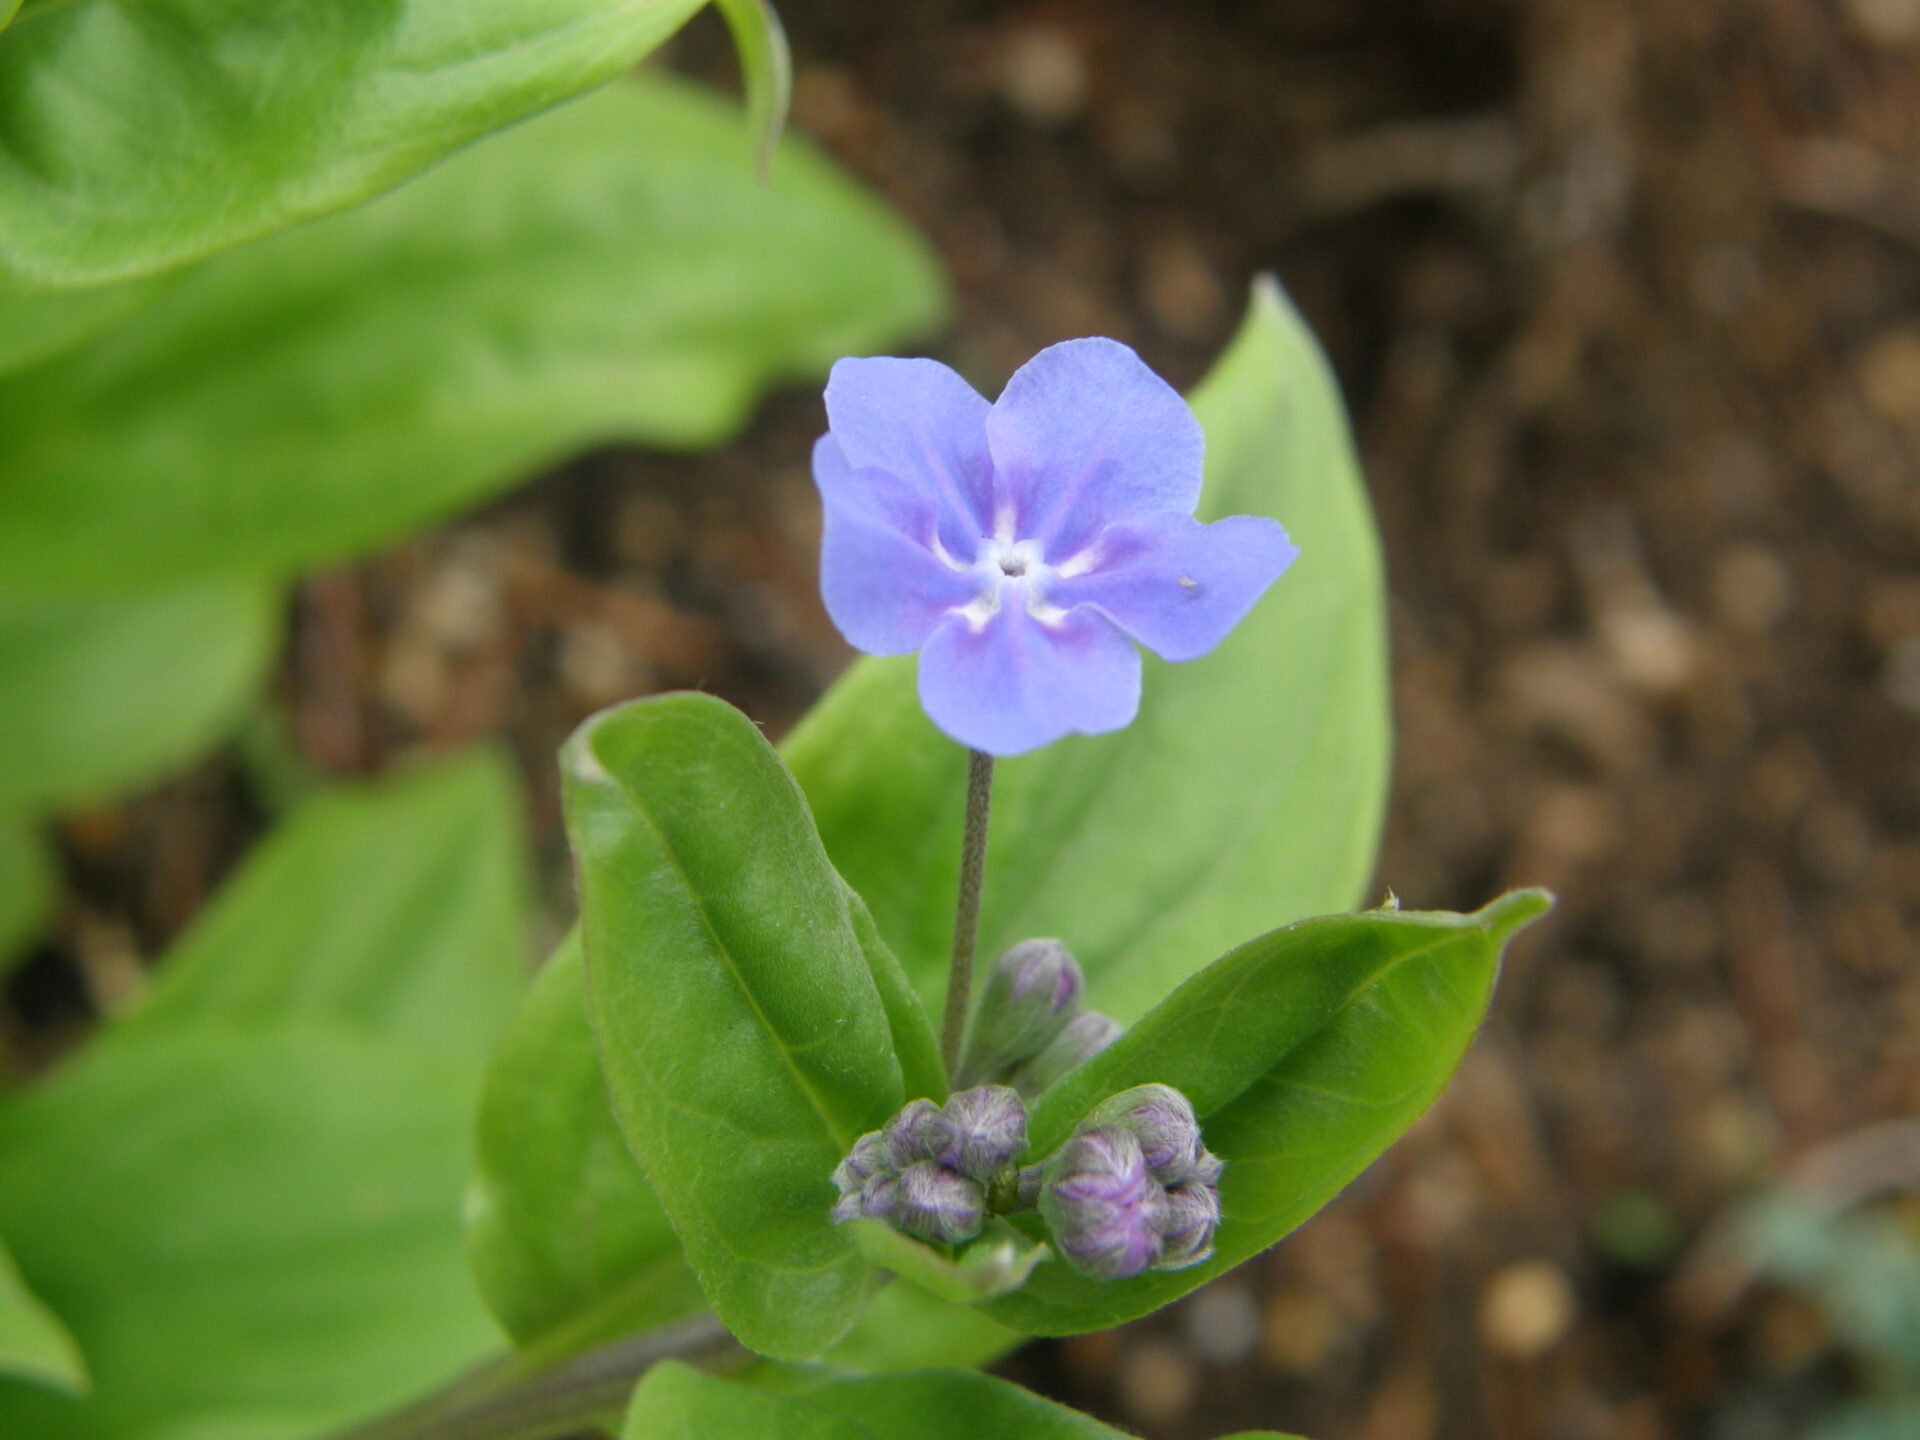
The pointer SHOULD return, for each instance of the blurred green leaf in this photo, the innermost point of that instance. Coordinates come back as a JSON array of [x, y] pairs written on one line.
[[32, 327], [29, 884], [100, 694], [141, 135], [609, 272], [33, 1344], [1305, 1054], [248, 1233], [743, 1040], [399, 906], [1861, 1268], [1248, 792], [565, 1236]]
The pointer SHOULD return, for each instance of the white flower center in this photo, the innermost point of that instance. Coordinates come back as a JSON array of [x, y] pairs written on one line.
[[1017, 565]]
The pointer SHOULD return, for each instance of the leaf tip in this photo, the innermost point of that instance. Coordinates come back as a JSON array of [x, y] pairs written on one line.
[[1513, 912]]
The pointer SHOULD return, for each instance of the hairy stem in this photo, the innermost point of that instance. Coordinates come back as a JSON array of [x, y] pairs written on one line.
[[502, 1400], [966, 918]]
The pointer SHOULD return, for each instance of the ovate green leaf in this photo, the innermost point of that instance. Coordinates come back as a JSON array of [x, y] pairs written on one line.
[[247, 1233], [922, 1071], [100, 694], [907, 1328], [566, 1238], [610, 272], [675, 1402], [398, 906], [136, 135], [741, 1033], [949, 1405], [1305, 1054], [1247, 793]]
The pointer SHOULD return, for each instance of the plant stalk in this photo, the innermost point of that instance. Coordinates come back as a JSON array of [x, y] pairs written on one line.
[[966, 919], [502, 1400]]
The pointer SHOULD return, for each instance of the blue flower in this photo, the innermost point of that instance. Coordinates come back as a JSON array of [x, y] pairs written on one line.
[[1022, 547]]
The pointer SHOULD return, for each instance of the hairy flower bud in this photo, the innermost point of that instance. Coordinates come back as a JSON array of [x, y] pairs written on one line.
[[1187, 1223], [932, 1170], [1102, 1204], [986, 1129], [867, 1159], [918, 1132], [933, 1203], [1084, 1037], [1031, 994], [1161, 1119]]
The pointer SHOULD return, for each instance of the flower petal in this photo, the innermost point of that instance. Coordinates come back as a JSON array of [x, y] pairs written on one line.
[[884, 586], [1085, 435], [1016, 683], [921, 423], [1175, 585]]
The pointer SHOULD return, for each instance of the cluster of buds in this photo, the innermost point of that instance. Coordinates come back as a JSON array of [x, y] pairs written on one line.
[[937, 1171], [1028, 1027], [1135, 1189]]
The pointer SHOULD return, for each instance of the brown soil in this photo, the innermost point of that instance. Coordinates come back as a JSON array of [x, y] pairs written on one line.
[[1623, 295]]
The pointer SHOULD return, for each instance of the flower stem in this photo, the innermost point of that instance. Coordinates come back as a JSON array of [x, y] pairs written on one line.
[[966, 918], [503, 1401]]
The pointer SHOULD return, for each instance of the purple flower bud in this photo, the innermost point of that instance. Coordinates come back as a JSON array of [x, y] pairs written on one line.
[[1028, 999], [867, 1159], [1162, 1121], [878, 1199], [933, 1203], [986, 1130], [1102, 1205], [918, 1132], [1187, 1222], [1084, 1037]]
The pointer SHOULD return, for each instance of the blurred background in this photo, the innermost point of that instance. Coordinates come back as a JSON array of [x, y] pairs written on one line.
[[1625, 298]]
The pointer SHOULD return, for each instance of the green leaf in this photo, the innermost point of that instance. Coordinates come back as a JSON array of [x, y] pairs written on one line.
[[610, 272], [566, 1238], [922, 1071], [100, 694], [908, 1328], [676, 1402], [743, 1039], [1247, 793], [33, 1343], [947, 1405], [767, 65], [140, 136], [399, 906], [1305, 1054], [29, 885], [565, 1235], [998, 1262], [248, 1233]]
